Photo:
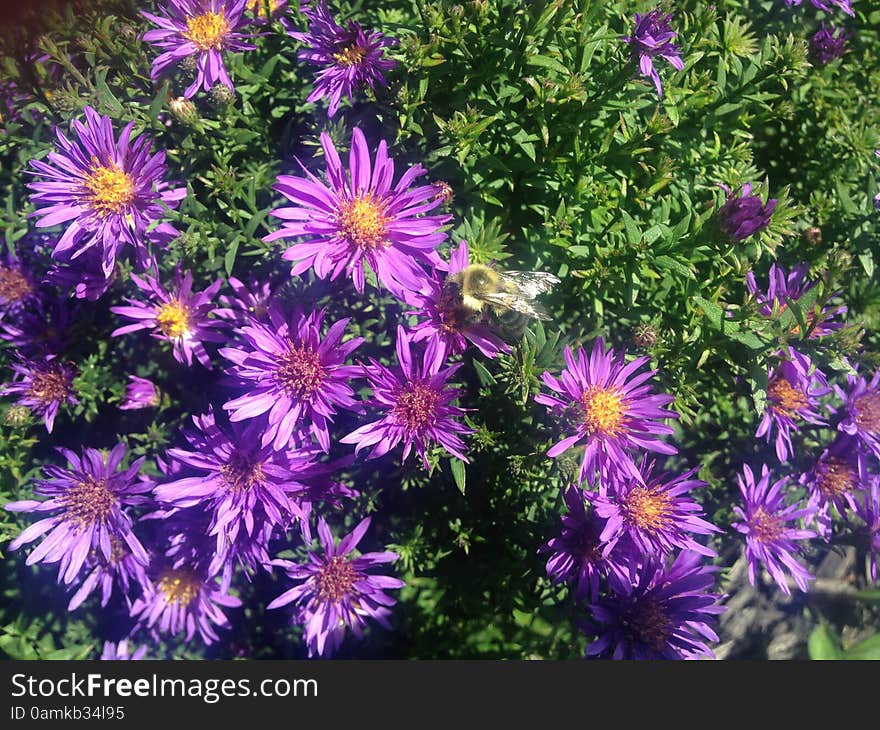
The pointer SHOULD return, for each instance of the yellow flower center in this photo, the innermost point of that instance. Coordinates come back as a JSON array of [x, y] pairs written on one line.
[[603, 410], [786, 399], [179, 586], [765, 527], [335, 579], [14, 286], [207, 30], [50, 385], [648, 508], [260, 9], [173, 319], [836, 477], [110, 189], [88, 503], [350, 55], [241, 473], [416, 406], [300, 371], [363, 222], [868, 412]]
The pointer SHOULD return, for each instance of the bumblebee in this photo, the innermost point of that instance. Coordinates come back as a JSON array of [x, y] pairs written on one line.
[[503, 300]]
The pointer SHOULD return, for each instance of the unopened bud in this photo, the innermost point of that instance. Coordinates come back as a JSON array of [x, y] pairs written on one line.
[[183, 110], [221, 95], [644, 336], [17, 416], [813, 236]]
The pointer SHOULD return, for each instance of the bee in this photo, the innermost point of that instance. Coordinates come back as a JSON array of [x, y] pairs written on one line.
[[503, 300]]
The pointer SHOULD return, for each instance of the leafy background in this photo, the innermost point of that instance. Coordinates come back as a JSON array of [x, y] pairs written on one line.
[[561, 159]]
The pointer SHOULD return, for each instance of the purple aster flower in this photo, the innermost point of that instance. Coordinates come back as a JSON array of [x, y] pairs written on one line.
[[182, 600], [84, 276], [350, 57], [336, 591], [124, 569], [295, 378], [655, 516], [446, 324], [39, 329], [844, 5], [861, 416], [652, 36], [790, 287], [827, 44], [576, 553], [248, 302], [668, 613], [416, 401], [611, 410], [140, 393], [119, 651], [244, 486], [794, 387], [17, 283], [770, 540], [868, 509], [108, 191], [835, 477], [178, 315], [88, 502], [202, 28], [362, 219], [42, 385], [744, 214]]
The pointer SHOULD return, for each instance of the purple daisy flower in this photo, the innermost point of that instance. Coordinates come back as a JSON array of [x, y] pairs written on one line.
[[18, 285], [827, 44], [668, 613], [794, 387], [294, 376], [744, 214], [362, 219], [656, 516], [844, 5], [140, 393], [43, 386], [350, 57], [39, 329], [248, 302], [837, 475], [182, 600], [119, 651], [576, 552], [861, 416], [790, 287], [202, 28], [446, 324], [611, 410], [84, 276], [770, 541], [108, 191], [88, 501], [417, 404], [652, 37], [124, 569], [178, 315], [244, 486], [868, 509], [336, 591]]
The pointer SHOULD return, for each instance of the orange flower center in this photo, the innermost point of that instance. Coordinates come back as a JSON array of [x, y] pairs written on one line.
[[335, 579], [300, 371], [207, 30], [350, 55], [648, 508], [603, 410], [765, 527], [14, 286], [787, 400], [50, 385], [363, 222], [241, 473], [836, 477], [868, 412], [179, 586], [416, 406], [89, 503], [173, 319], [110, 189]]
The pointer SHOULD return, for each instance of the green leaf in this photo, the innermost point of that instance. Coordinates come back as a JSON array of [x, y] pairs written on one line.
[[547, 62], [713, 312], [485, 377], [823, 644], [867, 649], [458, 473]]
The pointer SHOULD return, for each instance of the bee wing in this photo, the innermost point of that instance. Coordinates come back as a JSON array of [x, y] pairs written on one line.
[[516, 302], [530, 283]]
